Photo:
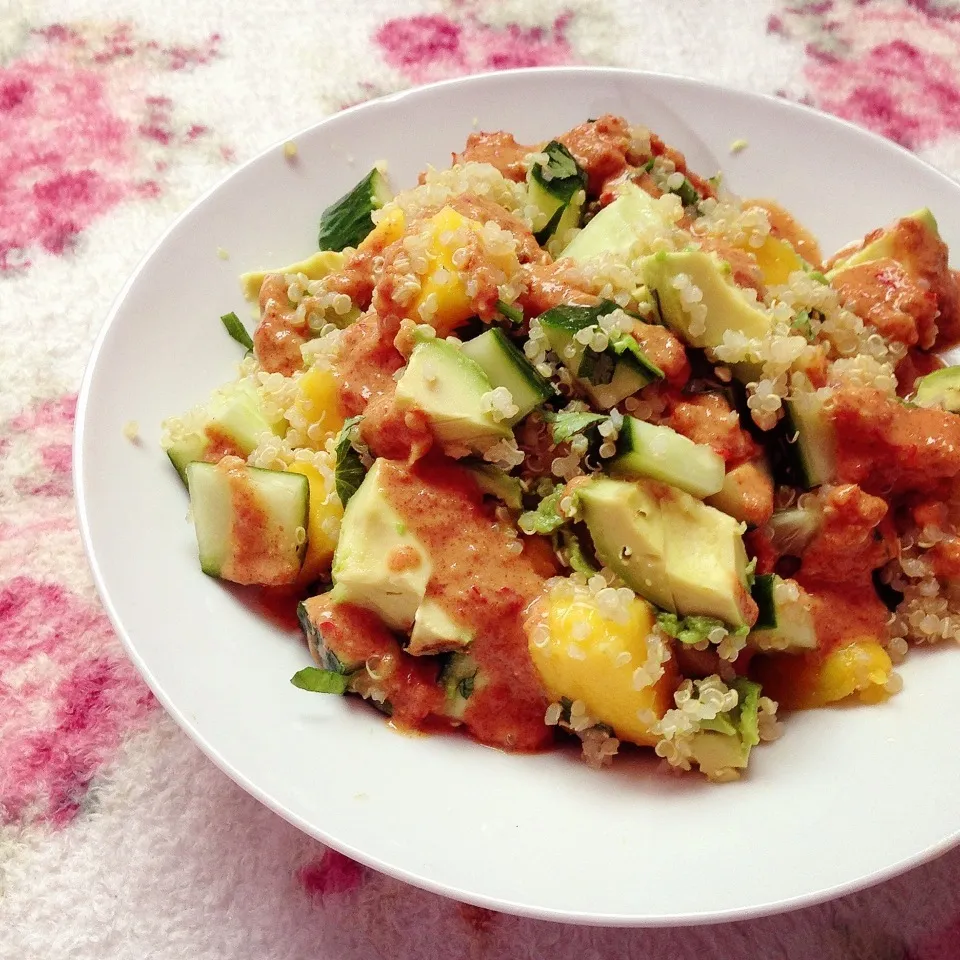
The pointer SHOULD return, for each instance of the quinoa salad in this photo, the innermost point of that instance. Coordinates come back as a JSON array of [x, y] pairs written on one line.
[[569, 442]]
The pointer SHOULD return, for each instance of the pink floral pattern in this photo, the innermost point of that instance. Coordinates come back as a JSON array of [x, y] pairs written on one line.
[[330, 873], [69, 693], [79, 134], [430, 47], [885, 67]]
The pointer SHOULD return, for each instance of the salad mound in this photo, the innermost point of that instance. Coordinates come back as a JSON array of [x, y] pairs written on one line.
[[568, 441]]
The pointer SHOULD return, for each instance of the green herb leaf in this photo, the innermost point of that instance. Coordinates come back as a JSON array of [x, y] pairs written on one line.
[[349, 471], [573, 318], [567, 425], [561, 175], [547, 517], [237, 330], [688, 630], [511, 311], [319, 681], [751, 572], [687, 193]]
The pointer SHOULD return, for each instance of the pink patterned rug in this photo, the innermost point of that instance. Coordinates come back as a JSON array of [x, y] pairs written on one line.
[[118, 839]]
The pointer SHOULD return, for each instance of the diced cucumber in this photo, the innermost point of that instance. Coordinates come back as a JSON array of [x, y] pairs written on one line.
[[449, 387], [495, 483], [608, 376], [319, 643], [232, 423], [809, 456], [785, 622], [346, 222], [250, 523], [506, 366], [557, 189], [762, 593], [939, 389], [650, 450]]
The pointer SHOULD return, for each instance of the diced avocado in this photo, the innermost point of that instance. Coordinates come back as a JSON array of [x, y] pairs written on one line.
[[459, 679], [651, 450], [680, 554], [617, 229], [435, 631], [722, 303], [939, 389], [610, 375], [706, 561], [626, 524], [496, 483], [747, 492], [884, 245], [506, 366], [449, 388], [716, 752], [232, 416], [723, 744], [378, 563], [557, 190], [784, 623], [250, 523], [315, 267], [346, 222]]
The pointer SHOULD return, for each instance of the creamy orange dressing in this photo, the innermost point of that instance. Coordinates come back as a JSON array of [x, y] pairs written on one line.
[[483, 586]]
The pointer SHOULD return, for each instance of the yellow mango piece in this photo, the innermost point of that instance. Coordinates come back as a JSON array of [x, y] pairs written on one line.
[[318, 405], [314, 268], [390, 228], [776, 259], [443, 285], [443, 290], [585, 655], [861, 668], [320, 544]]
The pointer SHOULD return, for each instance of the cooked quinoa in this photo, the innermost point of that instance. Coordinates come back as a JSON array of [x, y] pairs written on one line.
[[569, 441]]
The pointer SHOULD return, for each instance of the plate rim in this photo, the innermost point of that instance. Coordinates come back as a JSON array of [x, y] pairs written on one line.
[[774, 907]]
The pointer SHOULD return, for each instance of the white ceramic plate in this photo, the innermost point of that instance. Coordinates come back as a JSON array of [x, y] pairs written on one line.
[[847, 797]]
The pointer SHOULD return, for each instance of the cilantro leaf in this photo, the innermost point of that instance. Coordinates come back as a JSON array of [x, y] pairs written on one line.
[[687, 193], [688, 630], [320, 681], [561, 175], [349, 471], [237, 330], [547, 517], [567, 425]]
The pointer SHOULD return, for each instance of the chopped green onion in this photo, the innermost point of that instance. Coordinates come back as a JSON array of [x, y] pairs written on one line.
[[237, 330]]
